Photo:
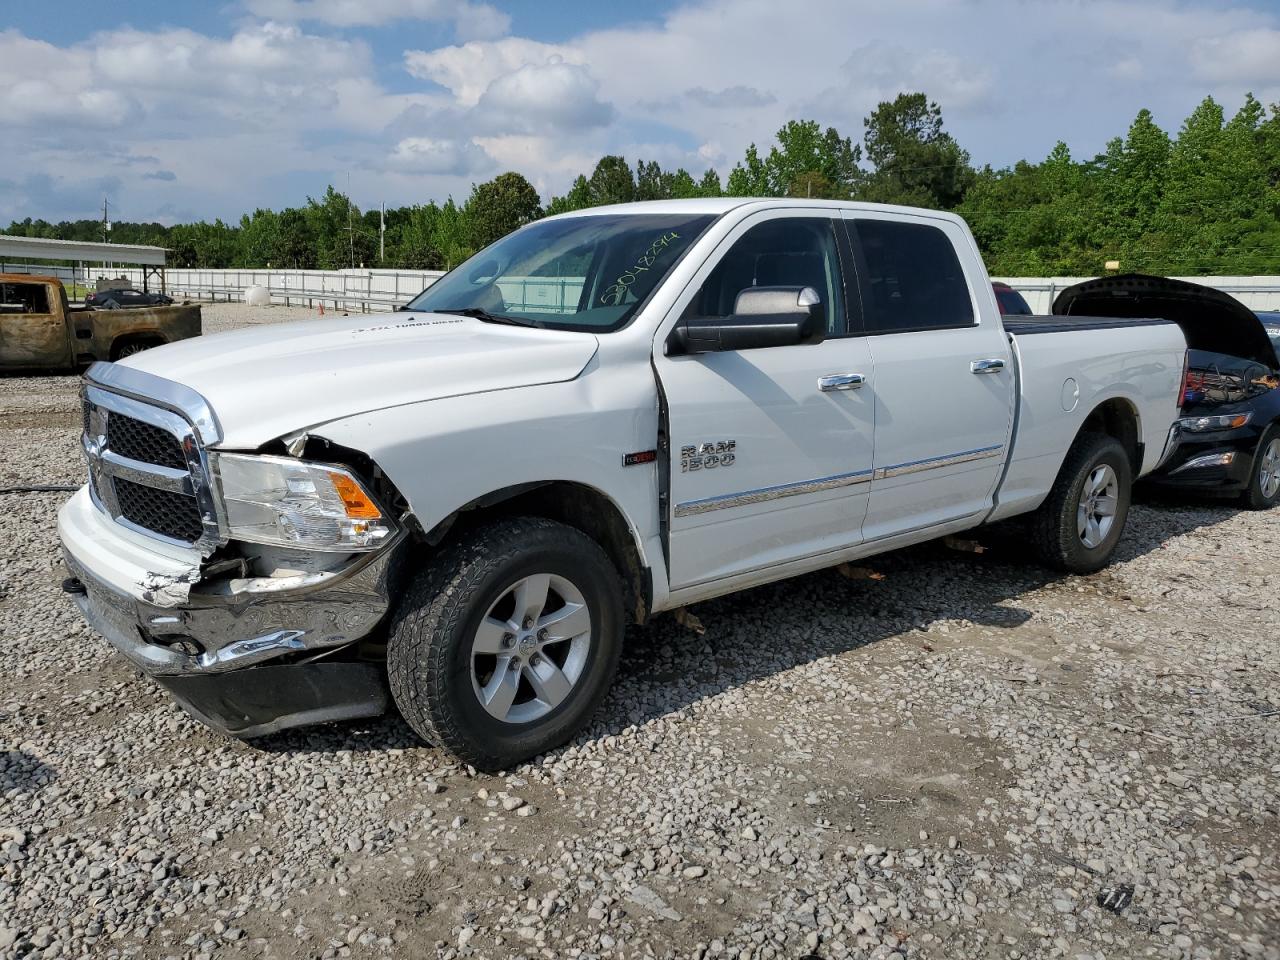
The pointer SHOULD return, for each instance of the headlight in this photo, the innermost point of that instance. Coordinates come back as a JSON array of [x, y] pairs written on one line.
[[1205, 424], [294, 503]]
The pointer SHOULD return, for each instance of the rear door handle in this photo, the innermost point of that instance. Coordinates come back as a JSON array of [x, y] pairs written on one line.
[[994, 365], [841, 381]]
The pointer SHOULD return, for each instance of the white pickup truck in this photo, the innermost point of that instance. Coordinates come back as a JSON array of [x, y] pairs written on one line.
[[604, 415]]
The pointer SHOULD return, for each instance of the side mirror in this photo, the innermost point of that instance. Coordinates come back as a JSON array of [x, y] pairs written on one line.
[[762, 317]]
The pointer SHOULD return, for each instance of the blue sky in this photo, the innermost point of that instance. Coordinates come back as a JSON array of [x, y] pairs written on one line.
[[180, 111]]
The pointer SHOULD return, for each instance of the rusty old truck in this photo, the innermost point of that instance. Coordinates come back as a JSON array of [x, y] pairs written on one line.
[[41, 330]]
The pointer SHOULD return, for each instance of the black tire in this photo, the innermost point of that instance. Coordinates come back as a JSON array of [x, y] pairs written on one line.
[[1254, 497], [429, 654], [1055, 533], [131, 347]]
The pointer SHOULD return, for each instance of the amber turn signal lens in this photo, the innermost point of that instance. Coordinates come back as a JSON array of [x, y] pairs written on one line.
[[356, 501]]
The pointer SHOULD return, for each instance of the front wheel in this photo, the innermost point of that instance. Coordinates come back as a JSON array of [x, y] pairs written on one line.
[[1264, 486], [505, 645], [1078, 527]]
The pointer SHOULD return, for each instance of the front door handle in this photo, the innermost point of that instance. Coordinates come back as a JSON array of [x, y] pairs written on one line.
[[841, 381], [994, 365]]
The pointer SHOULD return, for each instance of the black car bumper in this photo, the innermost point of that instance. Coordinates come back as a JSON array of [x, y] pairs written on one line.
[[1213, 466]]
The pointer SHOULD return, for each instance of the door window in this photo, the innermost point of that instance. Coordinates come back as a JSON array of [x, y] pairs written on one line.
[[910, 278], [786, 252]]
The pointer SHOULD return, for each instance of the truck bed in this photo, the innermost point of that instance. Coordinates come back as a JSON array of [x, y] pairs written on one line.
[[1025, 326]]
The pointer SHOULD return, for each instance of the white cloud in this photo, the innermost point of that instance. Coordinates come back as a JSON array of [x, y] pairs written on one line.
[[468, 70], [470, 20], [425, 155], [1248, 57], [731, 98], [553, 98]]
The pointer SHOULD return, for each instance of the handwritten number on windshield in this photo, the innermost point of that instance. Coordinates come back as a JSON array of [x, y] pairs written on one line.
[[617, 291]]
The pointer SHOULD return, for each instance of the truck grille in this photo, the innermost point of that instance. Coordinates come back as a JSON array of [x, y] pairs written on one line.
[[144, 442], [146, 469], [172, 515]]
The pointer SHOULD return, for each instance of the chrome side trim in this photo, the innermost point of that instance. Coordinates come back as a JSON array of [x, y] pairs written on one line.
[[934, 463], [691, 508]]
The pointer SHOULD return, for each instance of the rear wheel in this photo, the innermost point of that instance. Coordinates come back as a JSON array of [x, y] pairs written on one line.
[[130, 347], [1264, 486], [505, 645], [1079, 526]]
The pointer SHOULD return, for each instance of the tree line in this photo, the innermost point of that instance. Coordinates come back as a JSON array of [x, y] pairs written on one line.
[[1203, 200]]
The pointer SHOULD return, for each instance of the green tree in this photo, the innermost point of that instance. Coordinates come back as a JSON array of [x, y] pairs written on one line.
[[498, 206], [808, 162], [611, 182], [916, 161], [578, 197]]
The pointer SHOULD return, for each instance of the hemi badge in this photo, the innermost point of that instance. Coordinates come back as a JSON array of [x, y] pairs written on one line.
[[644, 456]]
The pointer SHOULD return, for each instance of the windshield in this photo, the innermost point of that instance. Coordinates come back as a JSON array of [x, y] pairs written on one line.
[[577, 273]]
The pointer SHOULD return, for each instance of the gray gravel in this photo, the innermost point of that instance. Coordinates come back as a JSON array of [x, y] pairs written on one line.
[[954, 761]]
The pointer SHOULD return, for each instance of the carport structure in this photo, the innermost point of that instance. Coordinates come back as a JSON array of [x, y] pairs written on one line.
[[151, 259]]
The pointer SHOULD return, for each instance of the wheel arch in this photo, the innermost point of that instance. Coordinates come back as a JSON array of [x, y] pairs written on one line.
[[149, 338], [575, 504], [1117, 417]]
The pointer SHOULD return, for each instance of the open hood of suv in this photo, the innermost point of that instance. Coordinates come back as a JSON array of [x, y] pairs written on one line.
[[1210, 319], [270, 380]]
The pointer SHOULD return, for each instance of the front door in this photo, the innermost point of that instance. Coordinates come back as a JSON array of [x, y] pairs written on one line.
[[33, 332], [944, 384], [770, 448]]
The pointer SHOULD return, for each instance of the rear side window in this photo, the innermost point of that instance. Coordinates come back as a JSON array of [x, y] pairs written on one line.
[[24, 298], [910, 277]]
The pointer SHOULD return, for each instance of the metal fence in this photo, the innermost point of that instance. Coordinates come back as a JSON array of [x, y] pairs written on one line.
[[352, 290], [68, 275], [373, 290]]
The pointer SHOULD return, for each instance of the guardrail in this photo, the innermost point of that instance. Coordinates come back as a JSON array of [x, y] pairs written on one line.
[[361, 291]]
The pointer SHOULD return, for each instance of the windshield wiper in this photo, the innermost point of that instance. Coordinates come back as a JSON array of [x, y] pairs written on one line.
[[484, 315]]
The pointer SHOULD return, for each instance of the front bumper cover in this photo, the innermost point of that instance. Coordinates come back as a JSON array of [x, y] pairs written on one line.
[[223, 677]]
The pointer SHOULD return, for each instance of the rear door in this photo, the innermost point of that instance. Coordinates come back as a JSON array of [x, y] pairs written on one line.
[[944, 378], [770, 458], [33, 330]]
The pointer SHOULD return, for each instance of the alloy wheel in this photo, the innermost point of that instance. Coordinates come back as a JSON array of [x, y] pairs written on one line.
[[1098, 501], [1269, 469], [531, 648]]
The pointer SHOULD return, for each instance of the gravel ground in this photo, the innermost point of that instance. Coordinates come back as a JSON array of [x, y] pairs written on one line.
[[956, 760]]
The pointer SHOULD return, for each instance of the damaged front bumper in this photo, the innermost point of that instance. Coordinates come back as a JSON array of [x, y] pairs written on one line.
[[244, 662]]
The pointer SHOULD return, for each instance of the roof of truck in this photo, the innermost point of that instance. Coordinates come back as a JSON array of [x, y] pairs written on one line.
[[28, 278], [721, 205]]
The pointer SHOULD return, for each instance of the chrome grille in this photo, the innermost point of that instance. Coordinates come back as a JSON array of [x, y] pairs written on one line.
[[173, 515], [147, 466], [144, 442]]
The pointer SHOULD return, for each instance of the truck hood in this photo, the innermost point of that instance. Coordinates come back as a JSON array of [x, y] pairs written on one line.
[[268, 381], [1210, 319]]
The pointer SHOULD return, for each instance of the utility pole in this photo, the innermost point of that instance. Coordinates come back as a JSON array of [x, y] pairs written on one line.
[[351, 236], [106, 223], [382, 233]]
